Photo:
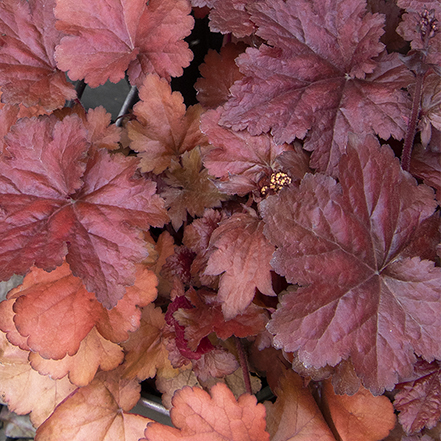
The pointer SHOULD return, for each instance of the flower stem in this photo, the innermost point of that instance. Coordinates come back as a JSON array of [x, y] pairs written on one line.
[[244, 365], [411, 127]]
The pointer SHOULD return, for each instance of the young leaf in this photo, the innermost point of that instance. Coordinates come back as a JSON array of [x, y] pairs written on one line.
[[420, 26], [164, 128], [317, 76], [109, 37], [219, 71], [360, 417], [419, 401], [189, 189], [343, 243], [215, 417], [28, 73], [241, 160], [97, 412], [54, 204], [241, 254]]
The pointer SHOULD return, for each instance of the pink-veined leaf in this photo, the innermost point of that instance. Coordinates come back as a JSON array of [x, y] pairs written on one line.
[[241, 254], [317, 78], [419, 400], [54, 204], [109, 37], [28, 72], [343, 243]]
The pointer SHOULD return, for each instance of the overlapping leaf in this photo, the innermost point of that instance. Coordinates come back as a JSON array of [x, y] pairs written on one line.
[[419, 400], [295, 415], [418, 31], [97, 412], [243, 161], [241, 254], [215, 417], [28, 72], [219, 72], [317, 78], [343, 243], [109, 37], [54, 204], [54, 312], [189, 189], [164, 128], [360, 417], [24, 389]]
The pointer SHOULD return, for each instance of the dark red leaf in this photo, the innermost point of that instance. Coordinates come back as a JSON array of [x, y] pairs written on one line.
[[343, 242]]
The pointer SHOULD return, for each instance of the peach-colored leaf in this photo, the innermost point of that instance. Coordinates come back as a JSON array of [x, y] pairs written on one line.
[[97, 412], [217, 416], [295, 415], [360, 417], [54, 312], [25, 390], [145, 348], [94, 352], [164, 128]]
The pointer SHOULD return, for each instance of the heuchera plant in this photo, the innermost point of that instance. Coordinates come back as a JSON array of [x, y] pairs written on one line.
[[287, 225]]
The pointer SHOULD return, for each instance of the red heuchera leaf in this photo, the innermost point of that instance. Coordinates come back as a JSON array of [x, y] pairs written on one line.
[[295, 415], [206, 317], [412, 26], [361, 298], [54, 204], [231, 17], [215, 417], [242, 254], [243, 161], [28, 73], [204, 346], [164, 128], [100, 133], [25, 390], [219, 71], [189, 189], [426, 165], [419, 401], [360, 417], [430, 112], [98, 410], [109, 37], [310, 79], [179, 265], [197, 237]]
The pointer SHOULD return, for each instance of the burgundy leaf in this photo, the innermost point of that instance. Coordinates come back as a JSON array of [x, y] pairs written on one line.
[[343, 243]]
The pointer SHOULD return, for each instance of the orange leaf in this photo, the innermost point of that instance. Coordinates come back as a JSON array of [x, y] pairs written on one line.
[[360, 417], [165, 129], [54, 312], [219, 417], [95, 352], [25, 390], [295, 415], [97, 412], [145, 349]]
